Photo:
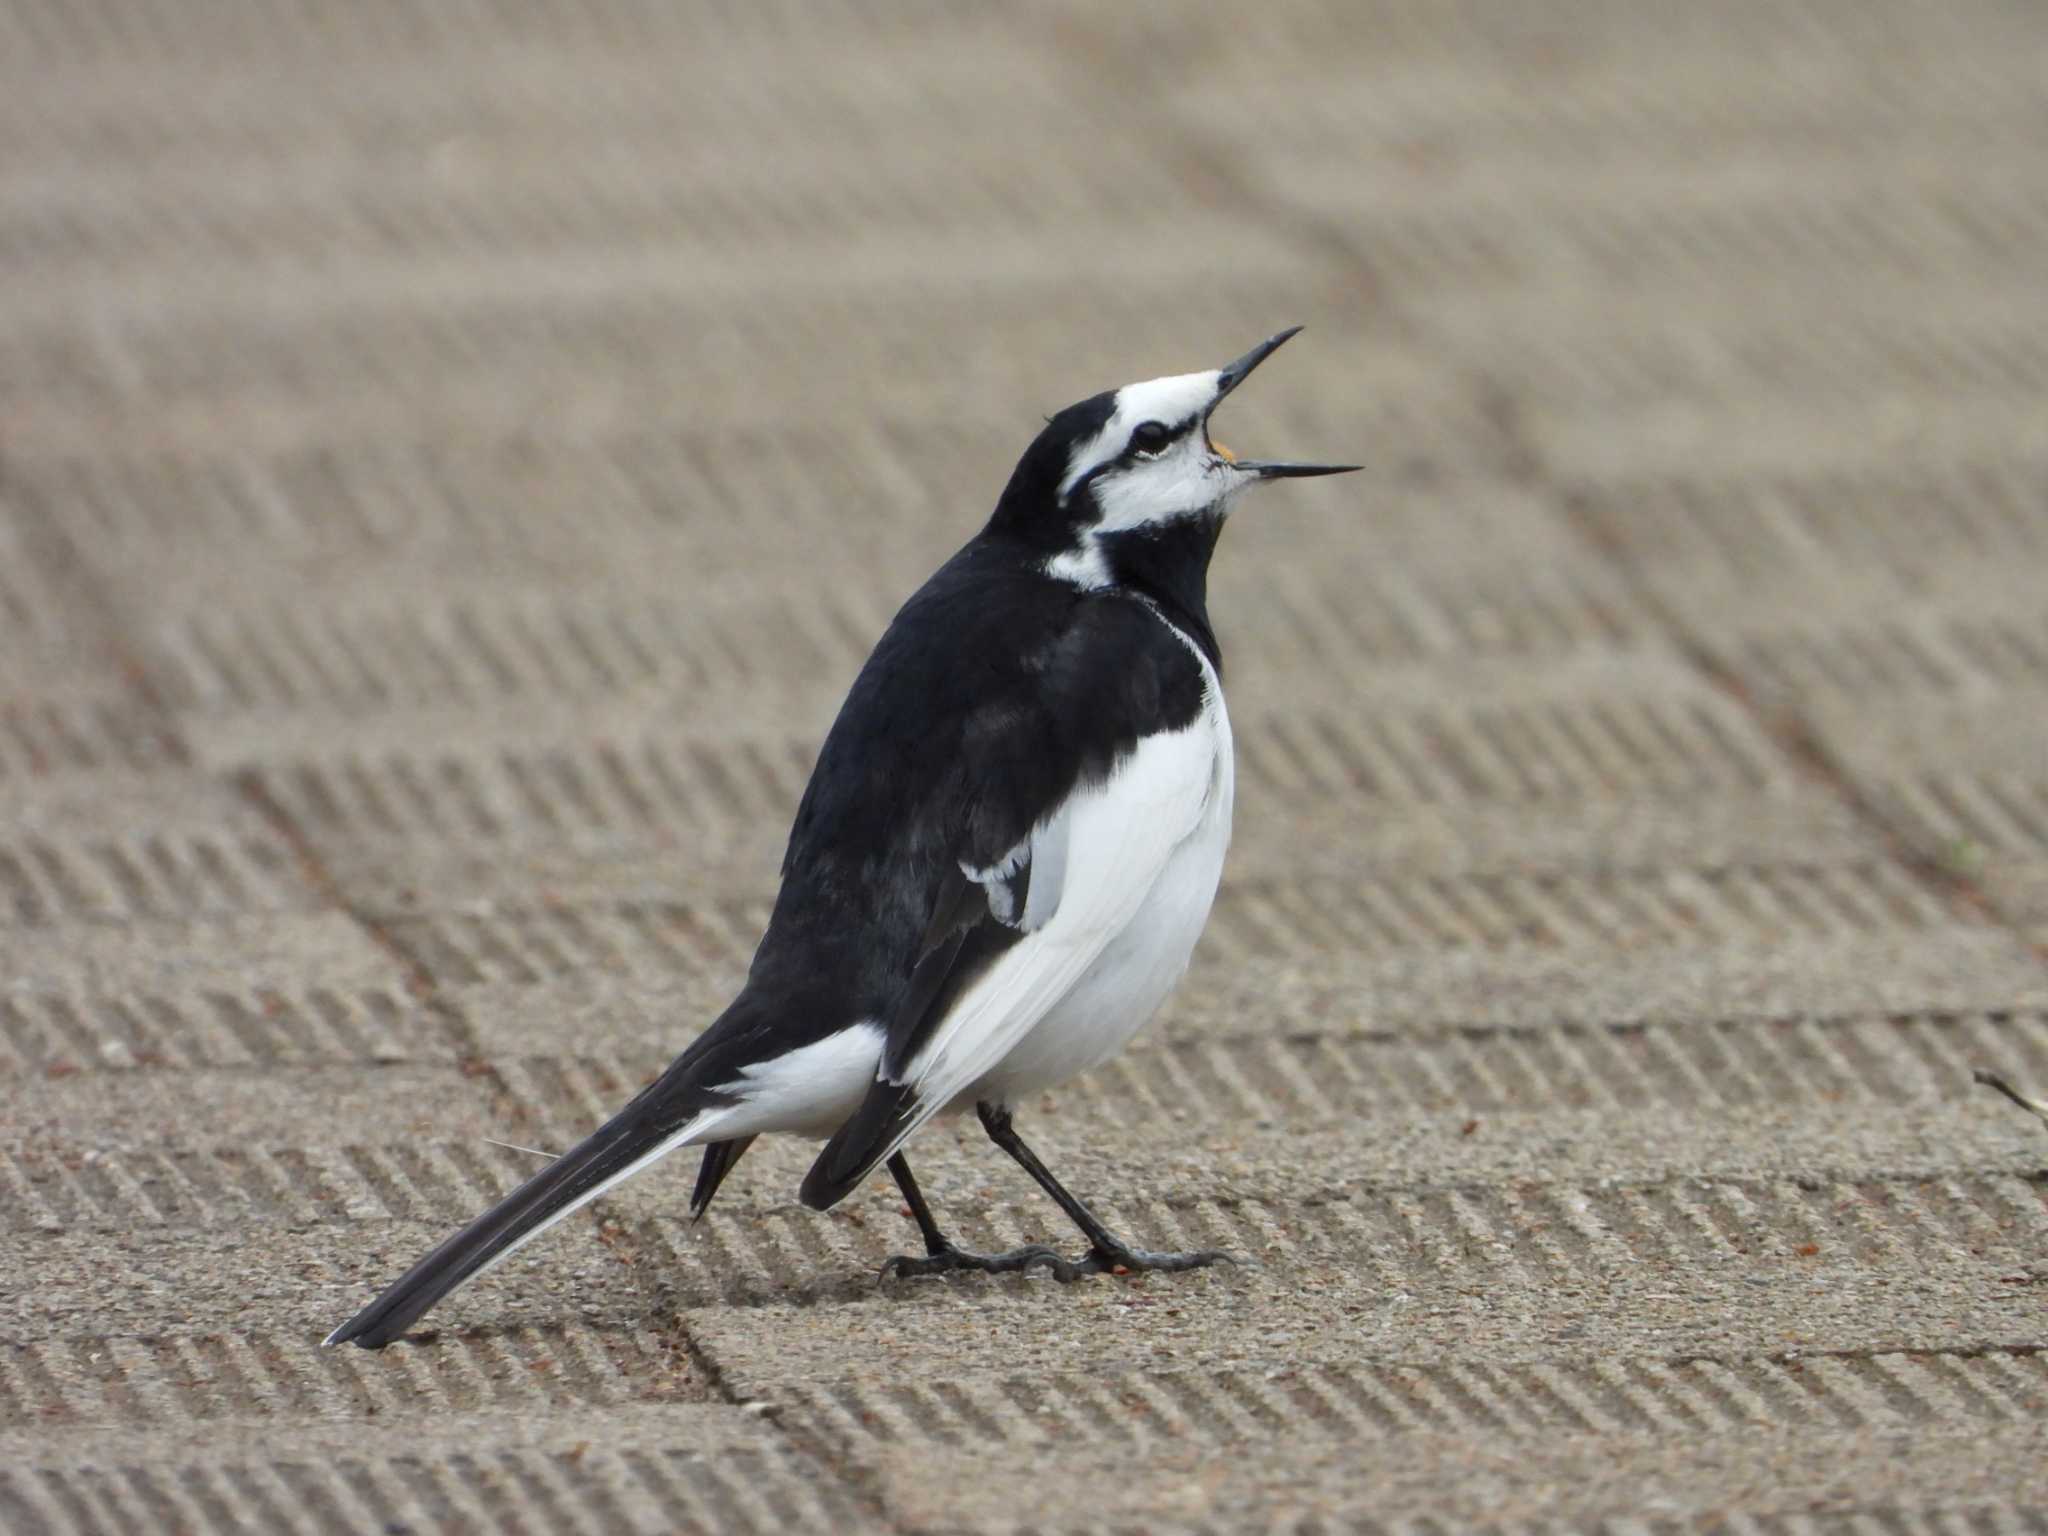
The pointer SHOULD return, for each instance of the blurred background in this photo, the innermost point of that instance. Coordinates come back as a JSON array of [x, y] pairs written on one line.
[[453, 459]]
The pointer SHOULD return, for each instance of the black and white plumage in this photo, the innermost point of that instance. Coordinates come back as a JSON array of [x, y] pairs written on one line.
[[1002, 863]]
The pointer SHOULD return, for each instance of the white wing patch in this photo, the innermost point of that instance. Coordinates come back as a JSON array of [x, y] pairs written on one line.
[[1103, 853], [1043, 854]]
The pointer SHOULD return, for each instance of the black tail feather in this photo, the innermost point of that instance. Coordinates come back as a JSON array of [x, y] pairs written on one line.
[[607, 1154], [719, 1158], [858, 1147]]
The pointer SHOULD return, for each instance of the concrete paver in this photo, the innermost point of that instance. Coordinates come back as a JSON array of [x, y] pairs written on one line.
[[451, 463]]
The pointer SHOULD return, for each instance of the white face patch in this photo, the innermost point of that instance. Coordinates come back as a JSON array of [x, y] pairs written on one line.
[[1188, 479], [1185, 481], [1170, 400]]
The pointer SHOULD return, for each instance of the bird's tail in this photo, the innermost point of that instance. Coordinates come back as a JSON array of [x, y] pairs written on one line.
[[644, 1130]]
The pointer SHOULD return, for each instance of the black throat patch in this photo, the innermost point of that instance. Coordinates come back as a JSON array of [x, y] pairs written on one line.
[[1169, 563]]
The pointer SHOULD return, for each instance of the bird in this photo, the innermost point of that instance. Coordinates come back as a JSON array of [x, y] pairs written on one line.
[[1007, 849]]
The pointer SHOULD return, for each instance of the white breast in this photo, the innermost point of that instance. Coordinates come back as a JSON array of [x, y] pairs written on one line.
[[1123, 988]]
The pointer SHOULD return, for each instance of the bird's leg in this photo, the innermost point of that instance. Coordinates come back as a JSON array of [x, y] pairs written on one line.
[[934, 1240], [940, 1256], [1106, 1254]]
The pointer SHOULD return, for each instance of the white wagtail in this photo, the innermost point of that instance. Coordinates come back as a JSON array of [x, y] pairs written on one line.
[[1001, 865]]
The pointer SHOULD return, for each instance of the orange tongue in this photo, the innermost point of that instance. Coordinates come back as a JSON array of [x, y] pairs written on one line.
[[1222, 452]]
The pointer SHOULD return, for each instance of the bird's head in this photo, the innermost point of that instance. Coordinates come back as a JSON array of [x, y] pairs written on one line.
[[1134, 464]]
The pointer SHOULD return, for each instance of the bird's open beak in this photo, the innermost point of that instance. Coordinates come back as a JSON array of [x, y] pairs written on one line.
[[1282, 469], [1235, 374]]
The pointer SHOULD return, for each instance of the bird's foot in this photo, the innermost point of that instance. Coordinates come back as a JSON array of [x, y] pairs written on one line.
[[950, 1260], [1116, 1259]]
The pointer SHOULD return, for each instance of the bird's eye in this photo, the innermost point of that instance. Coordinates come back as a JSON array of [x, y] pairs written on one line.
[[1150, 437]]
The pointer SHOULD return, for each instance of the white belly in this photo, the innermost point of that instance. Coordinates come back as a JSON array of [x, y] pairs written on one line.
[[1117, 995]]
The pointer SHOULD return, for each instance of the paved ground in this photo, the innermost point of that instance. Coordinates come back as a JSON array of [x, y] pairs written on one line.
[[452, 459]]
